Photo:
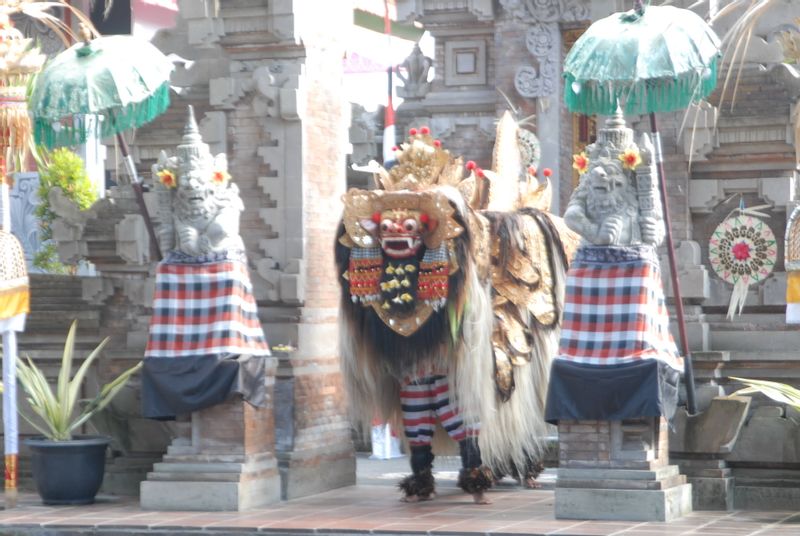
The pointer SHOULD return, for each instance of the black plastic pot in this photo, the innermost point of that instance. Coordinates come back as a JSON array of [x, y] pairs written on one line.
[[68, 472]]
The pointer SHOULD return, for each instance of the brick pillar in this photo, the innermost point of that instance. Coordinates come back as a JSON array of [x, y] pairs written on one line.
[[318, 453]]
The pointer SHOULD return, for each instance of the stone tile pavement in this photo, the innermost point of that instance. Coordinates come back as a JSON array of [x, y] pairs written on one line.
[[372, 507]]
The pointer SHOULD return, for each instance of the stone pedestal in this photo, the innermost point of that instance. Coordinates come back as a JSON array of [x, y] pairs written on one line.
[[700, 445], [227, 464], [618, 470]]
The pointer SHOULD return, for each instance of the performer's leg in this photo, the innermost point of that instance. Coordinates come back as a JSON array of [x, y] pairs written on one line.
[[418, 424], [474, 477], [533, 469]]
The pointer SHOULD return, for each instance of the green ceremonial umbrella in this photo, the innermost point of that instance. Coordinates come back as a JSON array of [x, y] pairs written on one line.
[[651, 59], [106, 85]]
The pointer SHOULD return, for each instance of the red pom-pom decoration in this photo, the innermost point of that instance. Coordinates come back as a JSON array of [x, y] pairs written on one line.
[[425, 130], [471, 165], [532, 170], [424, 218], [376, 217], [479, 172], [437, 143], [394, 148], [547, 172], [412, 132]]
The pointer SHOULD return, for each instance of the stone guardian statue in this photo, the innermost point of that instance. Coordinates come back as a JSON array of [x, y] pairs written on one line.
[[206, 341]]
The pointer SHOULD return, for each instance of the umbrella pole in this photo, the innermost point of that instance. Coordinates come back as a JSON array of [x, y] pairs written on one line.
[[10, 423], [137, 189], [688, 375]]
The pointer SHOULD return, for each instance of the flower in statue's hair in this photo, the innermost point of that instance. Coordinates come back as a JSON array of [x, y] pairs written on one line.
[[630, 158], [580, 163], [547, 172], [167, 178], [220, 177], [532, 170], [471, 165]]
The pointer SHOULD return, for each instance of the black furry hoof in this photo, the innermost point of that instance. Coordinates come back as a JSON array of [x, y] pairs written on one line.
[[418, 487], [475, 480]]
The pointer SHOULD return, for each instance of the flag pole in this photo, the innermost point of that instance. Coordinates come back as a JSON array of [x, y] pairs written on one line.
[[389, 139]]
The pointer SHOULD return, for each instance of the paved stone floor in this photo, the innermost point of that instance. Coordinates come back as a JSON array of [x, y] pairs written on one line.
[[372, 507]]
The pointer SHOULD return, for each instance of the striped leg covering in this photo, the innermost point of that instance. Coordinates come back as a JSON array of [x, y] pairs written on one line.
[[423, 401]]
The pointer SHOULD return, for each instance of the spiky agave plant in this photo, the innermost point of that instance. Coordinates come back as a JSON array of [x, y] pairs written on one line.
[[62, 411]]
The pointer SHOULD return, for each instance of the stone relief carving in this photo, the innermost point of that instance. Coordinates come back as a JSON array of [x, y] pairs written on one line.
[[409, 10], [24, 223], [547, 10], [47, 40], [542, 40], [417, 66], [364, 130]]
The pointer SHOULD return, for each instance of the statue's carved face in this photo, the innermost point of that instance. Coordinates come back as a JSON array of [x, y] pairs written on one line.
[[609, 190], [606, 177], [196, 192], [400, 232]]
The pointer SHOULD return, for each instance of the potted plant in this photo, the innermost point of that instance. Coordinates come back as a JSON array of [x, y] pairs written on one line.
[[67, 469]]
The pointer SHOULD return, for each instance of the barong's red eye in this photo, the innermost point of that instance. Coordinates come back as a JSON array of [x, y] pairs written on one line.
[[410, 225], [376, 217]]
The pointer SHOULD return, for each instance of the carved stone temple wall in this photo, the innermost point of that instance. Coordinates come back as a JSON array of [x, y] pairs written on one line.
[[264, 78]]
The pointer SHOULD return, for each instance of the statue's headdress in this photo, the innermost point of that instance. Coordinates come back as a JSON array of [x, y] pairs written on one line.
[[191, 154]]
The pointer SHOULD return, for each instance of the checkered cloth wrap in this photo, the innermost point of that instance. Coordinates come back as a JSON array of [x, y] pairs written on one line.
[[204, 309], [615, 311]]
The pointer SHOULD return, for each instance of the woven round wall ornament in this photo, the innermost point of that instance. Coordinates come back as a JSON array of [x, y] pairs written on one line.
[[742, 251]]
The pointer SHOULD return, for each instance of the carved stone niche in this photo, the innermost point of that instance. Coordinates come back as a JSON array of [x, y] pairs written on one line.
[[465, 62]]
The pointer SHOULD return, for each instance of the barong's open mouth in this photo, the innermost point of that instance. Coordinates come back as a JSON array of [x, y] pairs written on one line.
[[399, 247]]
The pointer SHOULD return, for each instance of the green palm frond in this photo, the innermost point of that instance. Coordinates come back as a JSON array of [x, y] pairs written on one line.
[[59, 412], [779, 392]]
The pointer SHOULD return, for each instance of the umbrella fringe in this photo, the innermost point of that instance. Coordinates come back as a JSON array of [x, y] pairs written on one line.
[[75, 130], [640, 97]]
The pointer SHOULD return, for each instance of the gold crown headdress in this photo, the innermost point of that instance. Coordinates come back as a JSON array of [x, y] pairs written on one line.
[[422, 163]]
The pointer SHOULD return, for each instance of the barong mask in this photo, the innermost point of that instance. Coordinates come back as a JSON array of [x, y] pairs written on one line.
[[401, 237]]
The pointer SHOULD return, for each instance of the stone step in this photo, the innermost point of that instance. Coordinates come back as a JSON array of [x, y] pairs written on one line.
[[726, 122], [785, 372], [766, 497], [746, 319], [194, 476], [768, 340], [666, 483], [569, 473], [56, 324]]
